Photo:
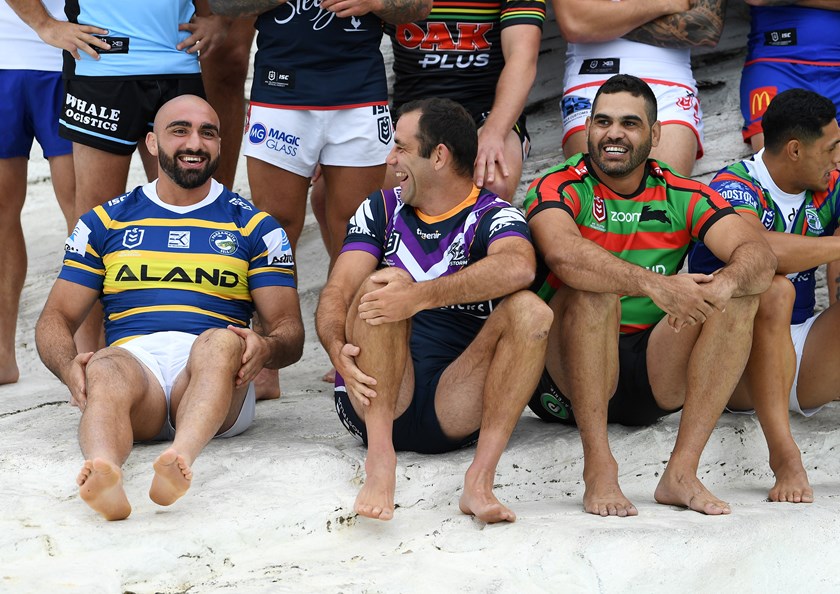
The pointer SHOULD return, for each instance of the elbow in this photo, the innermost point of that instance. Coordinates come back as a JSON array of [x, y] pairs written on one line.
[[574, 31]]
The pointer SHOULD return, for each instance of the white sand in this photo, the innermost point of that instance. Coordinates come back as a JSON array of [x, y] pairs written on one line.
[[271, 510]]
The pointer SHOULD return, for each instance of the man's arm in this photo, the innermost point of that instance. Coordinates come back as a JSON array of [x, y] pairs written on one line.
[[701, 25], [67, 306], [592, 21], [520, 47], [237, 8], [510, 265], [61, 34], [390, 11]]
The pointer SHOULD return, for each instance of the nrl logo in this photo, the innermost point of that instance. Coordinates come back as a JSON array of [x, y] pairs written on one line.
[[133, 237], [599, 209]]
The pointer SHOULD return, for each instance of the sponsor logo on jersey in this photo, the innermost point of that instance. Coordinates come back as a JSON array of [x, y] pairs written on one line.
[[241, 203], [759, 100], [814, 223], [78, 240], [223, 242], [650, 214], [658, 269], [319, 17], [737, 194], [179, 240], [555, 406], [257, 134], [625, 217], [393, 244], [279, 248], [599, 209], [768, 218], [780, 38], [133, 237], [91, 115], [117, 200], [177, 274], [424, 235], [600, 66], [280, 141], [466, 40], [456, 254], [572, 104]]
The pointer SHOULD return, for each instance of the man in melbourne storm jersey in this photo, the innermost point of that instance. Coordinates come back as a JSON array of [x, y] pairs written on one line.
[[180, 265], [426, 355], [789, 192], [632, 340]]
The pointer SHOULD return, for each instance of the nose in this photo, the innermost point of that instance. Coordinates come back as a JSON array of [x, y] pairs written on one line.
[[391, 159]]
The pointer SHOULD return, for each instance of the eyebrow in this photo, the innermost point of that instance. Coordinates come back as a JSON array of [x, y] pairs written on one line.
[[187, 124], [632, 117]]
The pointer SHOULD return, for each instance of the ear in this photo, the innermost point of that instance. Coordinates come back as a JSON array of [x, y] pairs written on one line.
[[440, 157], [655, 133], [151, 144], [793, 149]]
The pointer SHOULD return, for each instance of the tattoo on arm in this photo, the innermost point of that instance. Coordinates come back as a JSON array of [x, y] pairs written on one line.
[[242, 7], [403, 11], [837, 288], [700, 25]]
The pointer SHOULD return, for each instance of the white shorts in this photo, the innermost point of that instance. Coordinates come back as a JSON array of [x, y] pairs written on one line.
[[798, 334], [297, 139], [165, 354], [677, 104]]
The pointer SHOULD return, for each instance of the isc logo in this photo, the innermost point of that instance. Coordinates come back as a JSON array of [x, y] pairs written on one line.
[[257, 134]]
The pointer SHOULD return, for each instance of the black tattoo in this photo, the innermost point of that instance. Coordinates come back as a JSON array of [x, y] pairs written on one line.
[[404, 11], [236, 8], [837, 289], [700, 25]]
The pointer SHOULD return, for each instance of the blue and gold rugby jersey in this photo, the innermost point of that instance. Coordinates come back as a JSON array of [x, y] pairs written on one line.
[[160, 267]]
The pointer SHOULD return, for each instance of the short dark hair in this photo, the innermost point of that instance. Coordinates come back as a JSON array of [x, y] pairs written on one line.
[[796, 114], [626, 83], [446, 122]]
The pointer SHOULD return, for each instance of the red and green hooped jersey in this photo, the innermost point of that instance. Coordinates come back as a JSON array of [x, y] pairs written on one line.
[[652, 228]]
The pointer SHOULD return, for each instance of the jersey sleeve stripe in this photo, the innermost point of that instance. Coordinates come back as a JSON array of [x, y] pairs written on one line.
[[73, 264], [271, 269]]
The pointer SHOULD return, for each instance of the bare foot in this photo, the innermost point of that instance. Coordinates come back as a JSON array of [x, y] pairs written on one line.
[[267, 384], [329, 376], [376, 499], [792, 484], [603, 496], [9, 373], [100, 486], [478, 499], [688, 491], [172, 478]]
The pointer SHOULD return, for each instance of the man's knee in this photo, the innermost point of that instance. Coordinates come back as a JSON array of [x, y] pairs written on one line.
[[218, 347], [383, 277], [600, 305], [777, 301], [112, 367], [528, 314]]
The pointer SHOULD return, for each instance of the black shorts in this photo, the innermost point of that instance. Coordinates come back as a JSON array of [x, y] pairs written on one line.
[[114, 114], [632, 404], [418, 428]]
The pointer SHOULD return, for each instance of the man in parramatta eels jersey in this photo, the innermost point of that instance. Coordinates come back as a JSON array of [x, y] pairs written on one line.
[[425, 354], [179, 264], [789, 192], [633, 340]]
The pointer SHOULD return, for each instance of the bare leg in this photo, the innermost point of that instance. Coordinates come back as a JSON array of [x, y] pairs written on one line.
[[12, 261], [224, 72], [587, 323], [100, 176], [204, 402], [64, 186], [122, 404], [489, 385], [727, 332], [677, 147], [394, 388], [766, 386]]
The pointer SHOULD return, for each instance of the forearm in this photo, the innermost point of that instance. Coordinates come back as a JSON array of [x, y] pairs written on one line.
[[796, 253], [54, 341], [832, 277], [750, 269], [285, 344], [403, 11], [237, 8], [699, 26], [331, 320], [516, 79], [31, 12], [593, 21]]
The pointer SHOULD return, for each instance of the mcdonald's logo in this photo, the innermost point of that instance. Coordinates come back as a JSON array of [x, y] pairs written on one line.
[[759, 100]]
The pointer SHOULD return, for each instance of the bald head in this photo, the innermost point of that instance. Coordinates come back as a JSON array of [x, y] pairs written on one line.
[[186, 141]]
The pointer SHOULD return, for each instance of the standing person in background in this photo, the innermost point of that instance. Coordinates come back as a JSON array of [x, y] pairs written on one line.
[[30, 83], [651, 40]]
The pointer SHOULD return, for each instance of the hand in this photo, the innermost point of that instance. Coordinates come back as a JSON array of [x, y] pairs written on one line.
[[257, 353], [395, 301], [347, 8], [683, 298], [74, 378], [359, 385], [73, 37], [207, 34], [491, 150]]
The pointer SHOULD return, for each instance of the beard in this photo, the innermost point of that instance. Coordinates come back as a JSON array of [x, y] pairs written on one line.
[[635, 157], [187, 178]]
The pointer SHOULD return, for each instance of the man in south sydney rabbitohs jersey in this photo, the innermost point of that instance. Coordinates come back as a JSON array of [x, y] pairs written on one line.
[[632, 340]]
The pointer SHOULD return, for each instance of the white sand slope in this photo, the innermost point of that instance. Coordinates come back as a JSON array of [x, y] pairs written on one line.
[[271, 510]]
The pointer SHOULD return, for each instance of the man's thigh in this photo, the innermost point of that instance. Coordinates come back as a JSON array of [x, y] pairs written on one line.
[[668, 354], [818, 376]]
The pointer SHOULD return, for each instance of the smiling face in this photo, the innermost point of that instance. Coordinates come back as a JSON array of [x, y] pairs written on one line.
[[409, 167], [619, 135], [186, 141], [819, 159]]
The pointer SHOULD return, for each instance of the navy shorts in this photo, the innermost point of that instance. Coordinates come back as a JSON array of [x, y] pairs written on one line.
[[418, 428], [114, 114], [632, 404], [29, 111]]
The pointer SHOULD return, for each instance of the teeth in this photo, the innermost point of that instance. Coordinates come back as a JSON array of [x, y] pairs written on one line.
[[615, 149], [190, 159], [400, 174]]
